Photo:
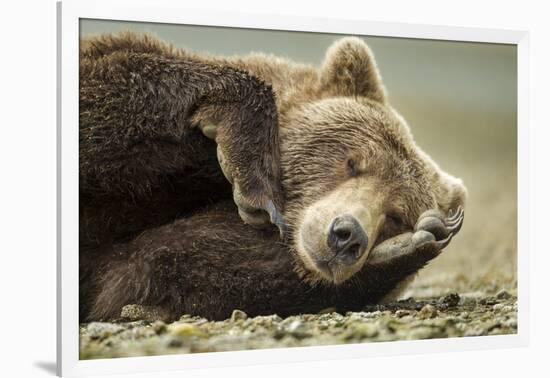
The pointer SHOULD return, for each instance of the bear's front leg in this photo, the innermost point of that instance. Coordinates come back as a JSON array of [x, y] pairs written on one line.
[[239, 112], [256, 194], [250, 209], [396, 259]]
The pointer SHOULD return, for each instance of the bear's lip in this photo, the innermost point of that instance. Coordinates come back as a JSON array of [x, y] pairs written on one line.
[[327, 270], [324, 268]]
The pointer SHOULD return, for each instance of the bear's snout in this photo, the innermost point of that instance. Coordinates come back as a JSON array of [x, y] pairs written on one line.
[[347, 240], [334, 231]]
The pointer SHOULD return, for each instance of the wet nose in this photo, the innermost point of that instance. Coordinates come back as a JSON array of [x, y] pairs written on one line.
[[347, 239]]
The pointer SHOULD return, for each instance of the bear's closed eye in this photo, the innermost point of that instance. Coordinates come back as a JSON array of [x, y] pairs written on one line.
[[355, 165], [351, 167], [394, 224], [395, 220]]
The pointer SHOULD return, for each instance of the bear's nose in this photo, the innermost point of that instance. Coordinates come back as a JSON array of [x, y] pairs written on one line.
[[347, 239]]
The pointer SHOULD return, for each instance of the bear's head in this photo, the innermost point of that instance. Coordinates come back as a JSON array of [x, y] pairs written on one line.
[[351, 171]]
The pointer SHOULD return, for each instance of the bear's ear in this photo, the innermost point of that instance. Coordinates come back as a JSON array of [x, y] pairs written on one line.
[[349, 69], [450, 192]]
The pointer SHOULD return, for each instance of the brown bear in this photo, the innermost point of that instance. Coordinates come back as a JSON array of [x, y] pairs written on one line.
[[178, 149]]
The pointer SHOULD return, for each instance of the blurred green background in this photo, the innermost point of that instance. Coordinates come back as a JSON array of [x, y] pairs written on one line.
[[460, 100]]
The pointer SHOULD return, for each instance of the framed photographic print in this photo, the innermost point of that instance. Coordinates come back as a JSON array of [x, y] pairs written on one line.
[[285, 189]]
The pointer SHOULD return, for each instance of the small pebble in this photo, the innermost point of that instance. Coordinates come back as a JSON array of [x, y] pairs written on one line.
[[503, 294], [427, 312], [174, 342], [498, 307], [159, 327], [402, 313], [238, 315], [510, 323], [488, 301], [450, 300], [185, 330], [298, 329]]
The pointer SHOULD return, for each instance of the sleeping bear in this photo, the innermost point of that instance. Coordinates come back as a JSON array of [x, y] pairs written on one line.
[[210, 183]]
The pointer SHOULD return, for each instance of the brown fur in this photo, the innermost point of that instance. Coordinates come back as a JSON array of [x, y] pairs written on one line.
[[144, 163]]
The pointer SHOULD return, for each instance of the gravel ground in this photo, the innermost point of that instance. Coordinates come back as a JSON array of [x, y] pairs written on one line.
[[453, 315]]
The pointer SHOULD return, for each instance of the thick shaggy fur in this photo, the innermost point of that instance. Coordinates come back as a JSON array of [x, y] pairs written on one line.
[[157, 221], [211, 263]]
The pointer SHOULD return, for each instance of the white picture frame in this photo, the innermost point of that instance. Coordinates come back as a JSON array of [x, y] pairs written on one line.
[[163, 11]]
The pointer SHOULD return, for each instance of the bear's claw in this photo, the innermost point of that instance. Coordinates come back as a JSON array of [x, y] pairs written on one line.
[[249, 213], [441, 226], [433, 232]]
